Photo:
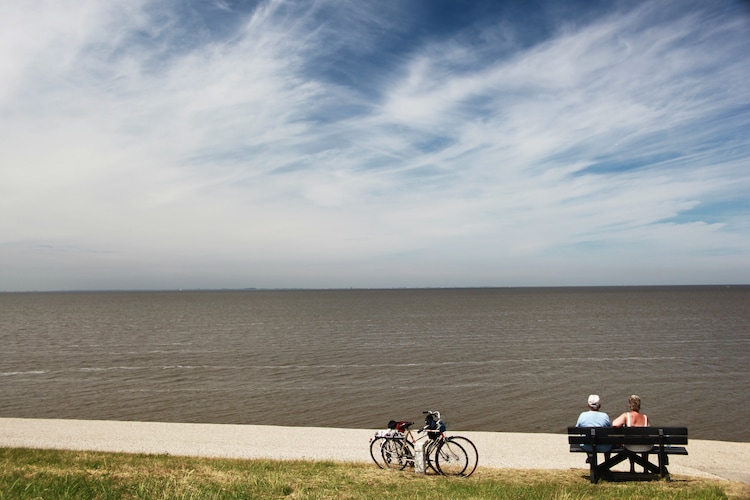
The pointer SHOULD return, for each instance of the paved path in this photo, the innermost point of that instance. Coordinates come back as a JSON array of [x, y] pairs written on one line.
[[715, 459]]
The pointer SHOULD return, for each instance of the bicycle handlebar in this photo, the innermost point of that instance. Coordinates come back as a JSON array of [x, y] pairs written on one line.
[[432, 412]]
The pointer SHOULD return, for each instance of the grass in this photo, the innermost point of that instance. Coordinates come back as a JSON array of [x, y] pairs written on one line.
[[35, 474]]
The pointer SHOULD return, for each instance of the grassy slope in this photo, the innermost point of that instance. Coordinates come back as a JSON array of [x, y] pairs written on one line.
[[70, 474]]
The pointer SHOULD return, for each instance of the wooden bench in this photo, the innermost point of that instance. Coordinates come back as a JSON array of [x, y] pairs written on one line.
[[664, 441]]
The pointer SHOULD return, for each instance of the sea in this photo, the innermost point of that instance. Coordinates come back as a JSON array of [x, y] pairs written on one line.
[[489, 359]]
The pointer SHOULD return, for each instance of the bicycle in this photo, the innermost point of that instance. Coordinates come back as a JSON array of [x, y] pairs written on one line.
[[393, 448], [450, 456]]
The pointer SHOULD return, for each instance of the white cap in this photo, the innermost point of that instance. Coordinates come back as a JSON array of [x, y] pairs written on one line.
[[594, 401]]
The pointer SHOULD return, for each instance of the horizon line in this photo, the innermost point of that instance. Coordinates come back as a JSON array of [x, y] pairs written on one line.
[[313, 289]]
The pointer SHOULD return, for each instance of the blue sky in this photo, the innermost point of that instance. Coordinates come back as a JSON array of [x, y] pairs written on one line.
[[332, 143]]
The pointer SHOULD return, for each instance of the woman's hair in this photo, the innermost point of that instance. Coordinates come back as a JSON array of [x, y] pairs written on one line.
[[634, 402]]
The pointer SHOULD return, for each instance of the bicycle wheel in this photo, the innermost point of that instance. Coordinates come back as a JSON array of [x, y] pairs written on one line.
[[376, 451], [451, 458], [397, 453], [429, 455], [470, 450]]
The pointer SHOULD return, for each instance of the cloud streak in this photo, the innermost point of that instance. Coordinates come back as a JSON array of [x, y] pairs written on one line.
[[148, 145]]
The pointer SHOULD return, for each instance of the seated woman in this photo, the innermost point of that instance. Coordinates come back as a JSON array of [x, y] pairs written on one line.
[[633, 418]]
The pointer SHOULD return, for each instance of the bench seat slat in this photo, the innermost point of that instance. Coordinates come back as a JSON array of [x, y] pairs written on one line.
[[616, 440], [669, 450]]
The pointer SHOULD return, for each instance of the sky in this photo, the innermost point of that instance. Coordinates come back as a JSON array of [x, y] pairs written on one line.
[[399, 143]]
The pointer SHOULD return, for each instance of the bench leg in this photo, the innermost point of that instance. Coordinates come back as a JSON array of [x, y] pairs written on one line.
[[604, 469], [648, 467], [663, 461], [632, 463], [592, 467]]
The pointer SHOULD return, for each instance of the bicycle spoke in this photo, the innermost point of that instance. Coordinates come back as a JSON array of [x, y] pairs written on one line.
[[471, 451], [451, 458], [430, 450], [397, 453]]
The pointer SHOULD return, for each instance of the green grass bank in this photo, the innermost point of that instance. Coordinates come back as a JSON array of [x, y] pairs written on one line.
[[60, 474]]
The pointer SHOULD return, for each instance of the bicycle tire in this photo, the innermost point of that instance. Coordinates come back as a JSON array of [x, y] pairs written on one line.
[[451, 458], [397, 453], [429, 455], [471, 451], [376, 451]]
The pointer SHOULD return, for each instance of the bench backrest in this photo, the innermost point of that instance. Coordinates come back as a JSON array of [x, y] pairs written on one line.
[[628, 435]]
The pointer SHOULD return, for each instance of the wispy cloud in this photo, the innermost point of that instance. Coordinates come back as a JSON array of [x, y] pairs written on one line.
[[341, 144]]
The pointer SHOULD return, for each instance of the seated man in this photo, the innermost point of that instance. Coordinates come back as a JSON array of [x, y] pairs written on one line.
[[595, 418]]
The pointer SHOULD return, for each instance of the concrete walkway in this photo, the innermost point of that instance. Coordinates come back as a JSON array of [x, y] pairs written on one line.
[[712, 459]]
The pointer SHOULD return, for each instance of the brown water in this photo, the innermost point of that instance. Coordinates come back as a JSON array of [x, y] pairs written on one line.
[[514, 360]]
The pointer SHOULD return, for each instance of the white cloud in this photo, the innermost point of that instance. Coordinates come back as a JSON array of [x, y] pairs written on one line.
[[153, 157]]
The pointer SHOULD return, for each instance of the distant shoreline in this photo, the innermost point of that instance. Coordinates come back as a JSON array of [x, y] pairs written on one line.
[[343, 289]]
